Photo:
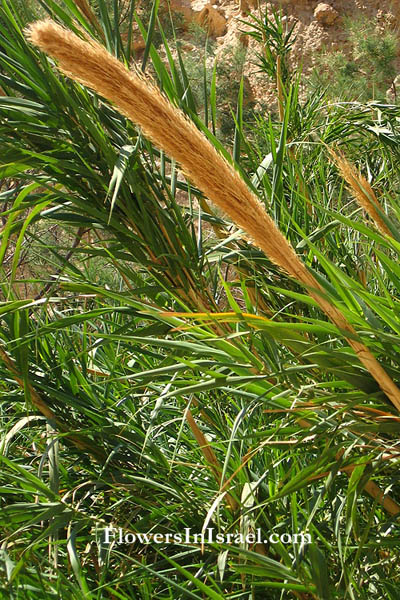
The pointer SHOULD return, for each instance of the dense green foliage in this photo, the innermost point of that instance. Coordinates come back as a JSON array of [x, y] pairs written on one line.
[[370, 69], [158, 372]]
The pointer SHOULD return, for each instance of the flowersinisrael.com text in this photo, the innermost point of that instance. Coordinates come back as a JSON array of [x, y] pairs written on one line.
[[209, 536]]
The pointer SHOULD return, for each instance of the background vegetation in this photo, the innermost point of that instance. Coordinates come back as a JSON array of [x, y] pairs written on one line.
[[370, 69], [158, 371]]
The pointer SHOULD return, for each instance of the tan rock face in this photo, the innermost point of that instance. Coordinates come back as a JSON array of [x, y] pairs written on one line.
[[290, 3], [203, 12], [183, 6], [325, 14], [246, 5], [317, 28], [210, 17]]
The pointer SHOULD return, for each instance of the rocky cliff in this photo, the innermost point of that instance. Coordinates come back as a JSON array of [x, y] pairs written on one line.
[[319, 27]]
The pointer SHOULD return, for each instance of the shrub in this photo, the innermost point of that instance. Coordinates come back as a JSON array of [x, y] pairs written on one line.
[[368, 71]]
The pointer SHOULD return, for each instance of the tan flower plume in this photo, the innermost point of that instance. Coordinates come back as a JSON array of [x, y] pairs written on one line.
[[168, 128]]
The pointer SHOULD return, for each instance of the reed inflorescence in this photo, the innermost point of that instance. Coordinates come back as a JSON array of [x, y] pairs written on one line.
[[361, 190], [168, 128]]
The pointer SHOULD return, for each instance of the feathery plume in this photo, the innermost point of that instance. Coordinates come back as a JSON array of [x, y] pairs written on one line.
[[161, 122], [87, 11], [360, 189], [168, 128]]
